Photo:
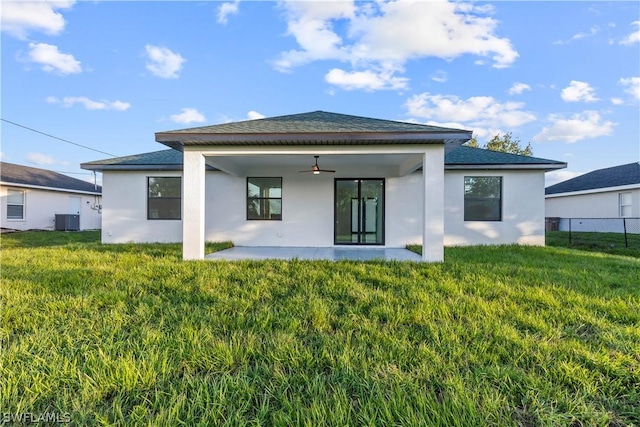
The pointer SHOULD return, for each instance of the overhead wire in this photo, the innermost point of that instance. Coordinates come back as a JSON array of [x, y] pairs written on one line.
[[58, 138]]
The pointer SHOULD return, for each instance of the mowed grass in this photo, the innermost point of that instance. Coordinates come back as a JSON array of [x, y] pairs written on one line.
[[132, 335], [611, 243]]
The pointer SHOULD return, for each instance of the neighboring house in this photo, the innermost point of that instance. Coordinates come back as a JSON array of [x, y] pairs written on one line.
[[604, 193], [31, 198], [242, 182]]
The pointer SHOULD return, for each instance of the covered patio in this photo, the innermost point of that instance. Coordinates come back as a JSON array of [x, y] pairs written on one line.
[[369, 194], [239, 253]]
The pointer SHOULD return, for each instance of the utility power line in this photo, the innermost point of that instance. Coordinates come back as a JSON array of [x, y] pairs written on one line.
[[55, 137]]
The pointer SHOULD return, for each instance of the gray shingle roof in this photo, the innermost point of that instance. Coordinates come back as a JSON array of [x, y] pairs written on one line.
[[27, 176], [157, 160], [463, 156], [615, 176], [471, 156], [314, 122], [315, 128]]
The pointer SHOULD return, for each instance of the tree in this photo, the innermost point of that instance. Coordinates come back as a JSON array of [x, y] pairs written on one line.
[[473, 142], [506, 143]]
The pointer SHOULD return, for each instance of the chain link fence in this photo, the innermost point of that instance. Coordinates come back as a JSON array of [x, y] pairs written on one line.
[[610, 232]]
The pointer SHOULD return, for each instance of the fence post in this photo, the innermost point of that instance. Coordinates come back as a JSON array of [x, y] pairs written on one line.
[[624, 225], [569, 231]]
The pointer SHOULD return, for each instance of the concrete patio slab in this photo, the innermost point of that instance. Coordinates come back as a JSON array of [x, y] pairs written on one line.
[[304, 253]]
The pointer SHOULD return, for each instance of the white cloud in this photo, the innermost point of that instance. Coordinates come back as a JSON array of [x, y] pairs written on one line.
[[163, 63], [52, 60], [226, 9], [18, 18], [634, 37], [310, 24], [368, 80], [592, 32], [40, 159], [587, 124], [254, 115], [632, 86], [405, 30], [518, 88], [617, 101], [482, 113], [70, 101], [384, 35], [440, 76], [189, 115], [578, 91], [554, 177]]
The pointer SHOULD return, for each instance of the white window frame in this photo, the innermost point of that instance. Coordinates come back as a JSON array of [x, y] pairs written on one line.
[[23, 204], [622, 206]]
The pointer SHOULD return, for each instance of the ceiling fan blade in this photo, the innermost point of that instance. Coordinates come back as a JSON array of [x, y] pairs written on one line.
[[315, 169]]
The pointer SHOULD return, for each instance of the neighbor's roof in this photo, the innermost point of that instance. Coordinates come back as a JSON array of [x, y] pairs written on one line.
[[459, 158], [615, 176], [317, 127], [26, 176]]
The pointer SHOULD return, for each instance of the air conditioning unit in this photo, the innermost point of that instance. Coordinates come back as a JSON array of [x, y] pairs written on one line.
[[67, 222]]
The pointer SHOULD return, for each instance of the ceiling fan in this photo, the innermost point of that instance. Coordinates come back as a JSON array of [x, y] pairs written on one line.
[[316, 169]]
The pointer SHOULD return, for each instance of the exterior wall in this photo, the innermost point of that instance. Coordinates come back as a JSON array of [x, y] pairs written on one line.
[[307, 209], [124, 210], [41, 206], [604, 204], [308, 212], [522, 210]]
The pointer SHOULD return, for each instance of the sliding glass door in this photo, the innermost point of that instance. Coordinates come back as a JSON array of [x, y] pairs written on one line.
[[359, 212]]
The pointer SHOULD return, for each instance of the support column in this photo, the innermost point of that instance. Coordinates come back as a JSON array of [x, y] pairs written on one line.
[[193, 201], [433, 208]]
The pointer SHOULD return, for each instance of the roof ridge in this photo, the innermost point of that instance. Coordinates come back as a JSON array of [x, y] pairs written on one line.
[[318, 121]]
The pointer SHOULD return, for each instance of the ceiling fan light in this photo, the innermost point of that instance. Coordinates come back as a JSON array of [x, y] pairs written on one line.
[[316, 172]]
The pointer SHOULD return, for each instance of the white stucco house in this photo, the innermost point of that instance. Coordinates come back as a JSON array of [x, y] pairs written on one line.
[[32, 197], [612, 192], [322, 179]]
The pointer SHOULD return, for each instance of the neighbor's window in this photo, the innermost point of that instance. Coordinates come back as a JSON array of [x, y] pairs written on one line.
[[15, 204], [164, 198], [625, 204], [482, 198], [264, 198]]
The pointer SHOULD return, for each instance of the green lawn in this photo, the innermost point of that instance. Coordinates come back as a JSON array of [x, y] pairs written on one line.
[[130, 334], [612, 243]]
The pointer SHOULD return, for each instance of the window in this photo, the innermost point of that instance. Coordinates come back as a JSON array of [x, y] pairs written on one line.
[[164, 198], [264, 198], [15, 204], [483, 198], [625, 204]]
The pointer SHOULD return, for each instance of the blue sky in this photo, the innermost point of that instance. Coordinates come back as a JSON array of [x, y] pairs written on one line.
[[564, 76]]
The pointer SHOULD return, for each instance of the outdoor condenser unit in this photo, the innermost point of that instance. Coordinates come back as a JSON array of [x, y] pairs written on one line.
[[67, 222]]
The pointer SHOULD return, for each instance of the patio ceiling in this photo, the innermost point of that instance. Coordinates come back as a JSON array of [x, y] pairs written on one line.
[[392, 164]]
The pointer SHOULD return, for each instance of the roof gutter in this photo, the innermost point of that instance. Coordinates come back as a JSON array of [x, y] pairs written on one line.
[[527, 166], [594, 191], [186, 138], [41, 187]]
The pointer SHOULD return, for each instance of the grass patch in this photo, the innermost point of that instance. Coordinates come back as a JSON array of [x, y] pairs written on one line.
[[611, 243], [130, 334]]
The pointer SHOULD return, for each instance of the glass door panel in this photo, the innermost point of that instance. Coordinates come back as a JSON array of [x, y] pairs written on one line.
[[359, 211], [347, 220], [371, 200]]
